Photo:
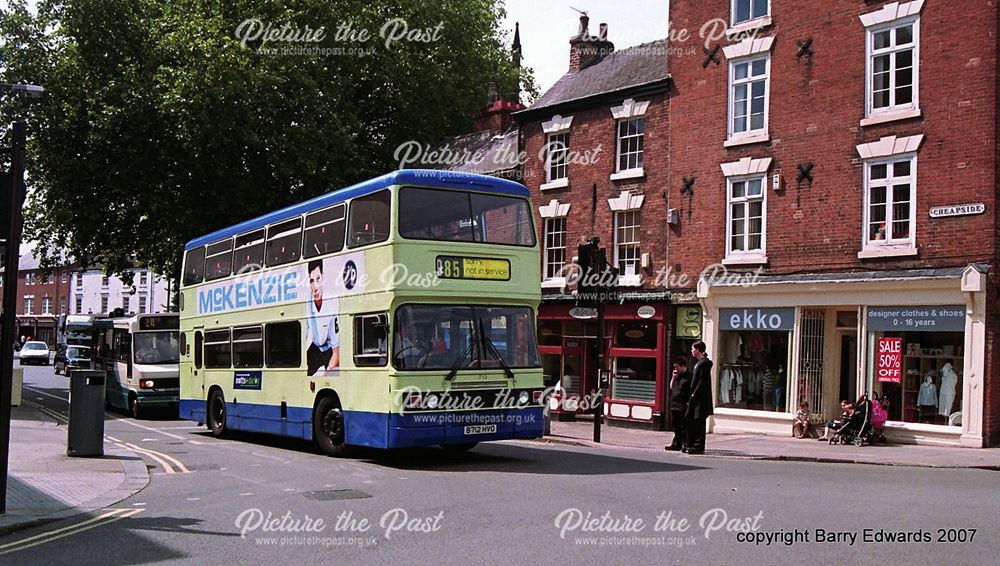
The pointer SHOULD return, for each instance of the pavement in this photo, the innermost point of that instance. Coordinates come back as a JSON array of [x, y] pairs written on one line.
[[765, 447], [44, 484]]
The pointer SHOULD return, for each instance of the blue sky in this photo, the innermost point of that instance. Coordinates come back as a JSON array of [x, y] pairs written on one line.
[[547, 25]]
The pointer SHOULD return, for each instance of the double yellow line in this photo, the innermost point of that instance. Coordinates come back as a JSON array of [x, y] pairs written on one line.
[[169, 464], [105, 518], [166, 461]]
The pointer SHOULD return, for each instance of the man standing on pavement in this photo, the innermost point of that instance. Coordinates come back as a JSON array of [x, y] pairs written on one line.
[[699, 407], [680, 392]]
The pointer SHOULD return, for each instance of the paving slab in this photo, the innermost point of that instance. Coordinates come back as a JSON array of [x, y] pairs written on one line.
[[44, 484], [765, 447]]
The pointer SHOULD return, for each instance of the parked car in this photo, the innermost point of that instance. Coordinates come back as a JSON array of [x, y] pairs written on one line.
[[70, 357], [35, 352]]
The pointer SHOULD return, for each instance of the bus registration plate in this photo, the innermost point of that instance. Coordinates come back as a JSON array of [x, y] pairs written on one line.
[[481, 429], [453, 267]]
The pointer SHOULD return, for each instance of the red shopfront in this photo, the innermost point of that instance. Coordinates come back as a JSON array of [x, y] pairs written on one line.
[[636, 345]]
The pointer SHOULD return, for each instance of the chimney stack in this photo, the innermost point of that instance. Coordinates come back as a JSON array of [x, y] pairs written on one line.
[[585, 49]]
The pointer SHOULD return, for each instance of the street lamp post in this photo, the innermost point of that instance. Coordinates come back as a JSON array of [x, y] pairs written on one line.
[[11, 226]]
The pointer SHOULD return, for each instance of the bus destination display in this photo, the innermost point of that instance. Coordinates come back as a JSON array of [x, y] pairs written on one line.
[[454, 267]]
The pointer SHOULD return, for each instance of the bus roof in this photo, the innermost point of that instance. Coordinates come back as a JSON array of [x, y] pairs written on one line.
[[420, 177]]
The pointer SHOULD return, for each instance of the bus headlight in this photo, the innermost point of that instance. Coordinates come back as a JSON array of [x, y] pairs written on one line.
[[431, 401], [146, 384], [523, 398], [413, 401]]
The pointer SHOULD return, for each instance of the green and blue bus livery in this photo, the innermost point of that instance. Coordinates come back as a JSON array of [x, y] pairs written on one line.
[[396, 312]]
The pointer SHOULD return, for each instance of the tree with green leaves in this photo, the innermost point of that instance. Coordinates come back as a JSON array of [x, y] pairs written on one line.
[[167, 119]]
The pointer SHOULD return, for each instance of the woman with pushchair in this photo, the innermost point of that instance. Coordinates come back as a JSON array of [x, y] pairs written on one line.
[[846, 412]]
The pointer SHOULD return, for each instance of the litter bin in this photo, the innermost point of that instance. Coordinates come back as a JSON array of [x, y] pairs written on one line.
[[86, 413]]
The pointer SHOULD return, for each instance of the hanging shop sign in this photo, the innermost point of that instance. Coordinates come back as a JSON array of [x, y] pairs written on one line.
[[688, 322], [583, 313], [958, 210], [757, 319], [646, 311], [916, 319], [890, 360]]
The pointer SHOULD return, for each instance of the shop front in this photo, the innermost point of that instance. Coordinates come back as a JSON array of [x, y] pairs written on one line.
[[635, 346], [915, 338]]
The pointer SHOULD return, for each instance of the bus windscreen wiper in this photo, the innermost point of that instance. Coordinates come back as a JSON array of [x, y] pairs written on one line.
[[458, 362], [493, 349]]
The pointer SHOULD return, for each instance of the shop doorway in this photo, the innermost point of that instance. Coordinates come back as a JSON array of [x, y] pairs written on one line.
[[579, 363], [848, 366]]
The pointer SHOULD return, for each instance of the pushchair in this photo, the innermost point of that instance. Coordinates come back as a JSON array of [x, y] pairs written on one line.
[[859, 429]]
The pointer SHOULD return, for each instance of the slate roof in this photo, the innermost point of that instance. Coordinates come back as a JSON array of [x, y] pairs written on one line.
[[629, 68], [485, 152]]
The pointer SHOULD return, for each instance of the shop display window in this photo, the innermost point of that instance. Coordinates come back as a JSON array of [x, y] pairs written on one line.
[[634, 379], [925, 385], [752, 370]]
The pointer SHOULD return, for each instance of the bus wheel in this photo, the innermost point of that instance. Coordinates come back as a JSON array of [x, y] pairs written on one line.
[[217, 414], [328, 428], [134, 410], [458, 448]]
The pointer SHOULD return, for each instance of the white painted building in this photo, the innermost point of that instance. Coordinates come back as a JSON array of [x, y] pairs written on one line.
[[92, 292]]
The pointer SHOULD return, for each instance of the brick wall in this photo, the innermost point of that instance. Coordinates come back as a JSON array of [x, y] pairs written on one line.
[[816, 105], [593, 133]]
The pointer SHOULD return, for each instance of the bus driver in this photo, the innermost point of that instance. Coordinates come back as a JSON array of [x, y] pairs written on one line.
[[323, 327]]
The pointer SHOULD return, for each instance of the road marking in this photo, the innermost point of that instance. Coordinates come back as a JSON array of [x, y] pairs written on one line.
[[268, 456], [47, 394], [245, 494], [160, 461], [194, 499], [104, 519], [149, 440], [131, 422], [59, 417], [153, 454], [111, 438]]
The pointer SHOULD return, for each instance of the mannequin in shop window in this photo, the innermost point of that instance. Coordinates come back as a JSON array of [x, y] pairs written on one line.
[[927, 399], [949, 379]]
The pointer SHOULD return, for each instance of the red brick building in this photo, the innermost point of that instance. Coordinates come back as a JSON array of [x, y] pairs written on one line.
[[596, 146], [844, 154], [41, 298]]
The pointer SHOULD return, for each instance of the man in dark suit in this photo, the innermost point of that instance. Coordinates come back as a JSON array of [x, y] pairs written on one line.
[[680, 392], [699, 407]]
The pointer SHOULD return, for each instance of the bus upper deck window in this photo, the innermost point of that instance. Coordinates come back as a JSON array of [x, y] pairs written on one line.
[[248, 254], [284, 241], [324, 231], [369, 221], [194, 266], [219, 260]]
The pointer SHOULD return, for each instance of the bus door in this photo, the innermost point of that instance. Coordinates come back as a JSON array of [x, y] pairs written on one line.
[[193, 373], [121, 371]]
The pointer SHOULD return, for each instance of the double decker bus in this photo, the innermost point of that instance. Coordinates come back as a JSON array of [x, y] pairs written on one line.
[[396, 312], [140, 357]]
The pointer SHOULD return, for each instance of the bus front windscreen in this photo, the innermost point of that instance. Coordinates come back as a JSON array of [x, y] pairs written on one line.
[[444, 337], [156, 347], [461, 216]]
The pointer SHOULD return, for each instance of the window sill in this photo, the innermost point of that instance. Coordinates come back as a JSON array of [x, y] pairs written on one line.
[[557, 184], [630, 280], [747, 139], [745, 260], [893, 116], [554, 283], [748, 26], [628, 174], [876, 251]]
